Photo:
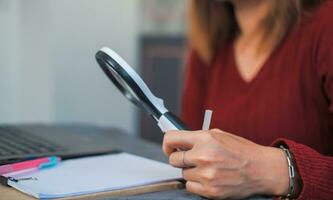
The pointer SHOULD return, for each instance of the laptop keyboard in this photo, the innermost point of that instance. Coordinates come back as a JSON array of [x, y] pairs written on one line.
[[16, 142]]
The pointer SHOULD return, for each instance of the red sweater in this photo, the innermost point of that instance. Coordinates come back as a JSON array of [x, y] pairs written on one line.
[[291, 97]]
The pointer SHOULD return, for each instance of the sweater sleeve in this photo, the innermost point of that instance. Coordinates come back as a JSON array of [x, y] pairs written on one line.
[[315, 170], [193, 92]]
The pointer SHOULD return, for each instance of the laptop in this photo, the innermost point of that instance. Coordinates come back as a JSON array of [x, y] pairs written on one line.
[[19, 143]]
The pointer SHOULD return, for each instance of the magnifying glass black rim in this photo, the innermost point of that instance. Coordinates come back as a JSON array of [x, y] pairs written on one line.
[[106, 62], [104, 66]]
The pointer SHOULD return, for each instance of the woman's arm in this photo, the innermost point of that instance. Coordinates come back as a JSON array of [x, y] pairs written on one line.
[[221, 165], [315, 170]]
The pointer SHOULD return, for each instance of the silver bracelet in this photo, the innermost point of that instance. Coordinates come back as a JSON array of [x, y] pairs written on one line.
[[291, 172]]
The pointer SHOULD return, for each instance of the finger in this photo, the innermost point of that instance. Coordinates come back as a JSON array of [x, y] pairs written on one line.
[[192, 158], [195, 187], [184, 159], [179, 159], [183, 140], [209, 192], [216, 130], [176, 159], [191, 174]]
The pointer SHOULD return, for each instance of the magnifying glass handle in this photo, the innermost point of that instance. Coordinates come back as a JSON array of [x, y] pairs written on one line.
[[176, 121]]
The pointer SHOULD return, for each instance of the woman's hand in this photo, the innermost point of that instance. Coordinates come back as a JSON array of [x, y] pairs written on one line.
[[220, 165]]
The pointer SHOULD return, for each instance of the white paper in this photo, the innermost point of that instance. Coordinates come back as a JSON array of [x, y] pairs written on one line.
[[95, 174]]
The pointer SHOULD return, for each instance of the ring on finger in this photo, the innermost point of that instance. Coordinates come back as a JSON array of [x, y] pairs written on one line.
[[184, 163]]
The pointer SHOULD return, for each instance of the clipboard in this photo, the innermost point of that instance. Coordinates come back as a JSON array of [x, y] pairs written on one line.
[[120, 174]]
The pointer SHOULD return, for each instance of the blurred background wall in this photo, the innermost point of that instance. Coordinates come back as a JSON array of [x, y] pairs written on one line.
[[48, 72]]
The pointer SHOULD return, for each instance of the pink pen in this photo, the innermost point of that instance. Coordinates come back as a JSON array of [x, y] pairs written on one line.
[[29, 164]]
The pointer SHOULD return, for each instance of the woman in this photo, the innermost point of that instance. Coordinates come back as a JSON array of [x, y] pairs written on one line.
[[265, 67]]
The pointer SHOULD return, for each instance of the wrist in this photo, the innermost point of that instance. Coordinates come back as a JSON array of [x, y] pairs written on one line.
[[294, 178], [274, 172]]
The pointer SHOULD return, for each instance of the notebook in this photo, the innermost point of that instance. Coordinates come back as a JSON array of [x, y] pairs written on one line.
[[93, 174]]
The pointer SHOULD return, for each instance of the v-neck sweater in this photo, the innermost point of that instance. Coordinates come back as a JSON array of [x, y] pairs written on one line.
[[290, 97]]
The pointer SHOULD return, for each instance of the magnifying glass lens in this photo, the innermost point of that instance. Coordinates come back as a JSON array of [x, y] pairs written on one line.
[[126, 89]]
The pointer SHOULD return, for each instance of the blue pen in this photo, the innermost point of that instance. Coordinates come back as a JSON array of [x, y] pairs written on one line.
[[53, 161]]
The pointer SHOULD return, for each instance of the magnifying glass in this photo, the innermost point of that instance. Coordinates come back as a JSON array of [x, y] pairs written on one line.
[[134, 89]]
